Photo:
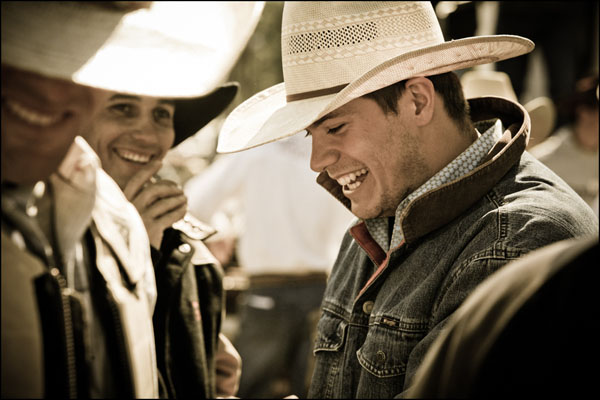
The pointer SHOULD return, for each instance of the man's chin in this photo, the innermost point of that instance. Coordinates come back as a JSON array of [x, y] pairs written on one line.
[[28, 173], [363, 212]]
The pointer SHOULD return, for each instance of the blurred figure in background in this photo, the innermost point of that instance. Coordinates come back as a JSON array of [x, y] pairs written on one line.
[[563, 31], [131, 135], [542, 112], [572, 151], [291, 233]]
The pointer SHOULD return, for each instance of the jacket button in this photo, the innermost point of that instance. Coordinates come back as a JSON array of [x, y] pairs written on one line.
[[185, 248], [367, 307], [380, 355]]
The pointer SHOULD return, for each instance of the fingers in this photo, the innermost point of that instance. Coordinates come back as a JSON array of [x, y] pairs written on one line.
[[160, 215], [166, 205], [168, 218], [160, 204], [152, 192], [136, 183]]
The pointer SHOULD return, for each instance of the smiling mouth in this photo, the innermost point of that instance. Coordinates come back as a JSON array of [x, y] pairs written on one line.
[[31, 116], [134, 157], [353, 180]]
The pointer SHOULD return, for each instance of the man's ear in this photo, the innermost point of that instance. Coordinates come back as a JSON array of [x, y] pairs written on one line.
[[421, 95]]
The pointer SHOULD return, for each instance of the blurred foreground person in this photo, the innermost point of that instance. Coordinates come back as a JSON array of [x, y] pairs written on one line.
[[131, 135], [572, 151], [525, 331], [291, 233], [78, 290], [443, 188]]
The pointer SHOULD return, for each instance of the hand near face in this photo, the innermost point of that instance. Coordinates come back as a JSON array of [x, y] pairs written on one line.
[[159, 203]]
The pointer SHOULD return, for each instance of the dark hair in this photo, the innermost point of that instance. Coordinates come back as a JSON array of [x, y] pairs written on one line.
[[584, 94], [447, 85], [121, 5]]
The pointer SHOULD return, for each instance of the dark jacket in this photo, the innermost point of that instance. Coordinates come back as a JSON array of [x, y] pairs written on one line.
[[189, 310], [373, 333]]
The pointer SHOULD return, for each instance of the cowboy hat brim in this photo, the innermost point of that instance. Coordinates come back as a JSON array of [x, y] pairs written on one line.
[[168, 49], [267, 116], [542, 113], [193, 114]]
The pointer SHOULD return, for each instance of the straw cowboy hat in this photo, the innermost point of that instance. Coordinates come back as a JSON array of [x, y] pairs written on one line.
[[334, 52], [542, 110], [163, 49]]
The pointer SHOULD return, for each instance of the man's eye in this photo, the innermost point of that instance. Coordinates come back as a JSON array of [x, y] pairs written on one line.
[[335, 129], [121, 109], [162, 115]]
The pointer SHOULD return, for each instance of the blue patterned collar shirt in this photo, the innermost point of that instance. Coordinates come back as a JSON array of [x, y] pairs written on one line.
[[467, 161]]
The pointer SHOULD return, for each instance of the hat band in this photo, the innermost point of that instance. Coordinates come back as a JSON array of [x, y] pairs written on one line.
[[314, 93]]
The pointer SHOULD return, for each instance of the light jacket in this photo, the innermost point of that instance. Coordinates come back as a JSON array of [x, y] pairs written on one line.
[[45, 332], [381, 310]]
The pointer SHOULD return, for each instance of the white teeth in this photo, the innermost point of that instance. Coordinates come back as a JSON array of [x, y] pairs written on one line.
[[349, 179], [30, 116], [354, 185], [135, 157]]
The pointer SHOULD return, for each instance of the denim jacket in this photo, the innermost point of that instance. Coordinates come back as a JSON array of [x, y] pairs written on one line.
[[382, 310]]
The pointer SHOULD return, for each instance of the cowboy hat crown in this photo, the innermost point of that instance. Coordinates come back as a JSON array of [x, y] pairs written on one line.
[[334, 52]]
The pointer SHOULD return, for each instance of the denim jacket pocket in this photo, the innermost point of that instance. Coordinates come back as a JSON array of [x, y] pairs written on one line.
[[331, 332], [387, 347]]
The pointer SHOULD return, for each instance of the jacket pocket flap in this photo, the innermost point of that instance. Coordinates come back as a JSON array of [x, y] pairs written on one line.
[[331, 331], [385, 351]]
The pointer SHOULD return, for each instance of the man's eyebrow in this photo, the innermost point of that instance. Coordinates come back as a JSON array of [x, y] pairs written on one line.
[[333, 114], [120, 96], [167, 101]]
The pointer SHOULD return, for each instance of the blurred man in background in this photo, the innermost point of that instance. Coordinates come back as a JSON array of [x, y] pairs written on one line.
[[572, 151], [131, 135]]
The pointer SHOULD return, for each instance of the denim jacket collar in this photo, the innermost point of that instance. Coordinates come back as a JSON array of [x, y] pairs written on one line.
[[438, 207]]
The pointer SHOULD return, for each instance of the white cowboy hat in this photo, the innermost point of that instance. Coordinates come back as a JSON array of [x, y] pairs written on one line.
[[334, 52], [164, 49], [542, 111]]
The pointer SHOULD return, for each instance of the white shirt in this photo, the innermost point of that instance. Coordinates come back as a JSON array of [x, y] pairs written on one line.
[[579, 168], [290, 222]]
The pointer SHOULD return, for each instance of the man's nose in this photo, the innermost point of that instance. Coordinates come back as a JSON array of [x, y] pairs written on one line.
[[145, 131], [322, 155]]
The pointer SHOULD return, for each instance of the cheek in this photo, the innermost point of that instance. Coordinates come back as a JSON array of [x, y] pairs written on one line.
[[97, 99], [166, 141], [99, 137]]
